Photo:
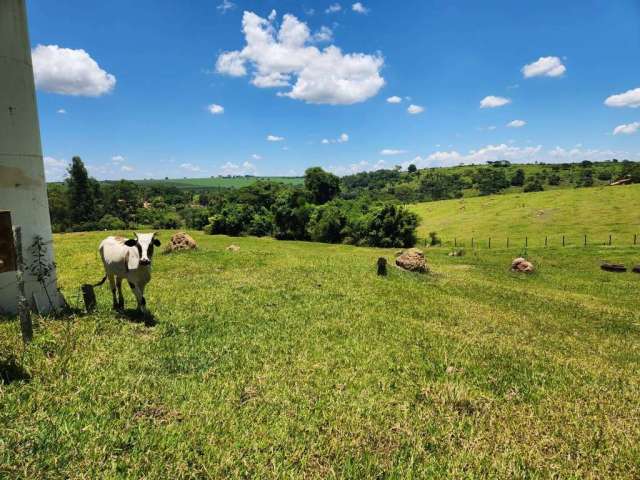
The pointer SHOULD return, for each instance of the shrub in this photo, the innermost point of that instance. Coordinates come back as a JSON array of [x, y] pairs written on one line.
[[534, 185], [554, 179], [327, 224], [518, 178], [109, 222], [390, 226]]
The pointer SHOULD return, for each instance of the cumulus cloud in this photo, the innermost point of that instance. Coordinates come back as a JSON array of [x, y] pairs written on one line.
[[117, 159], [255, 156], [61, 111], [394, 99], [215, 109], [325, 34], [343, 138], [190, 167], [54, 169], [627, 129], [333, 8], [516, 124], [127, 168], [415, 109], [225, 6], [544, 67], [274, 138], [69, 72], [229, 168], [359, 8], [286, 58], [391, 151], [492, 101], [362, 166], [630, 98]]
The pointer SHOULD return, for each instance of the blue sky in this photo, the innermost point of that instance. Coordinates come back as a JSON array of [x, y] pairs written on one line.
[[165, 88]]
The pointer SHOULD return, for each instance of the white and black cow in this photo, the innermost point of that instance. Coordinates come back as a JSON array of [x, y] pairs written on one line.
[[128, 259]]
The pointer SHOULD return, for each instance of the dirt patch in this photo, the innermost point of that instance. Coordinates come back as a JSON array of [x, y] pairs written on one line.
[[158, 414]]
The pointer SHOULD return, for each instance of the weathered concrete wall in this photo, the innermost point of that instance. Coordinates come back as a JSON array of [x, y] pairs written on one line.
[[22, 182]]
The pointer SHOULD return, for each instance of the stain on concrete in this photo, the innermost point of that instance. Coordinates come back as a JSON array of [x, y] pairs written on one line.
[[15, 177]]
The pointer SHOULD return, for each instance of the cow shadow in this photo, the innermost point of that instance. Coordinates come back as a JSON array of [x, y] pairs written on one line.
[[136, 316]]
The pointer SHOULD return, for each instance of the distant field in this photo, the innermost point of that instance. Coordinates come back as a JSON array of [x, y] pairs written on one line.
[[219, 182], [596, 212], [294, 360]]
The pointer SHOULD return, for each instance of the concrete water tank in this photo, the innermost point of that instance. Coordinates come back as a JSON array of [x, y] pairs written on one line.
[[23, 191]]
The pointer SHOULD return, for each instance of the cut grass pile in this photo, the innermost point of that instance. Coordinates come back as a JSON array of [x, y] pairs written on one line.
[[595, 212], [291, 359]]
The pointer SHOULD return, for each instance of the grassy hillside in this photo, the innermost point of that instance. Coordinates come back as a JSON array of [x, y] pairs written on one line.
[[292, 360], [219, 182], [596, 212]]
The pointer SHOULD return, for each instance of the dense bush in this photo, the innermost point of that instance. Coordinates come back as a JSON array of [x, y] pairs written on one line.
[[440, 186], [390, 226], [491, 180]]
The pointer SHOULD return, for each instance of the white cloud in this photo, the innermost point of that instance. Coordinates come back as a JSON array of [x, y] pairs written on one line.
[[627, 129], [394, 99], [117, 159], [516, 124], [284, 57], [333, 8], [362, 166], [215, 109], [415, 109], [359, 8], [225, 6], [190, 167], [544, 67], [325, 34], [492, 101], [343, 138], [69, 72], [274, 138], [229, 168], [255, 156], [61, 111], [127, 168], [391, 151], [54, 169], [630, 98]]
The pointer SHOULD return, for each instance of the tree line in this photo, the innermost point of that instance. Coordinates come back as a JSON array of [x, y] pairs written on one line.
[[314, 211]]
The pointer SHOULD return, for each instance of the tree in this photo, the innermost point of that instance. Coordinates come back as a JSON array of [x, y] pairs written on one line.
[[440, 186], [533, 185], [518, 178], [412, 168], [391, 226], [327, 224], [81, 192], [491, 180], [322, 185]]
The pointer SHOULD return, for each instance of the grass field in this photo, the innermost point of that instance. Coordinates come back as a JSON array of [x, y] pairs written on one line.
[[219, 182], [291, 359], [596, 212]]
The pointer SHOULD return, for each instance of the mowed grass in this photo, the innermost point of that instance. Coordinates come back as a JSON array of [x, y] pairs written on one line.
[[596, 212], [294, 360]]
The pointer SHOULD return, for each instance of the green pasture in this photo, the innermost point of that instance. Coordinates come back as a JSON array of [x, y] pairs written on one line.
[[294, 360]]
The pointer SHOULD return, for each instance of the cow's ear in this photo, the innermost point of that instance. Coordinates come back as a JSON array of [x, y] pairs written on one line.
[[156, 242], [131, 242]]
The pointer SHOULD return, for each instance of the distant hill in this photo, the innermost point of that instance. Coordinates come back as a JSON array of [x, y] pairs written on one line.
[[218, 182], [573, 212]]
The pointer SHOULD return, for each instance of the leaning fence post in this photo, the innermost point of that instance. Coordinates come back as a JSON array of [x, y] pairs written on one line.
[[26, 326]]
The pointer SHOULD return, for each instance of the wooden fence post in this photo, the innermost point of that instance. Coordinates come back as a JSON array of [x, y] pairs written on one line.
[[545, 240], [471, 242], [563, 240], [489, 242], [609, 239], [635, 237], [26, 326], [585, 240], [507, 242], [526, 242], [455, 243]]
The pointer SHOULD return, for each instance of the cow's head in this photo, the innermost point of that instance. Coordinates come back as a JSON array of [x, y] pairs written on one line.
[[145, 243]]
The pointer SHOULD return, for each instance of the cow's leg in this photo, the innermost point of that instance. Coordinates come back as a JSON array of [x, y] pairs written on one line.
[[138, 290], [112, 284], [120, 297]]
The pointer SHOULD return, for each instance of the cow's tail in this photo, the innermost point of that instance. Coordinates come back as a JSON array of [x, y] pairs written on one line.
[[100, 282]]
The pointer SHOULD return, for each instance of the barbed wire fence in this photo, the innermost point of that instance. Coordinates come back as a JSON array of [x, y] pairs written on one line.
[[536, 241]]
